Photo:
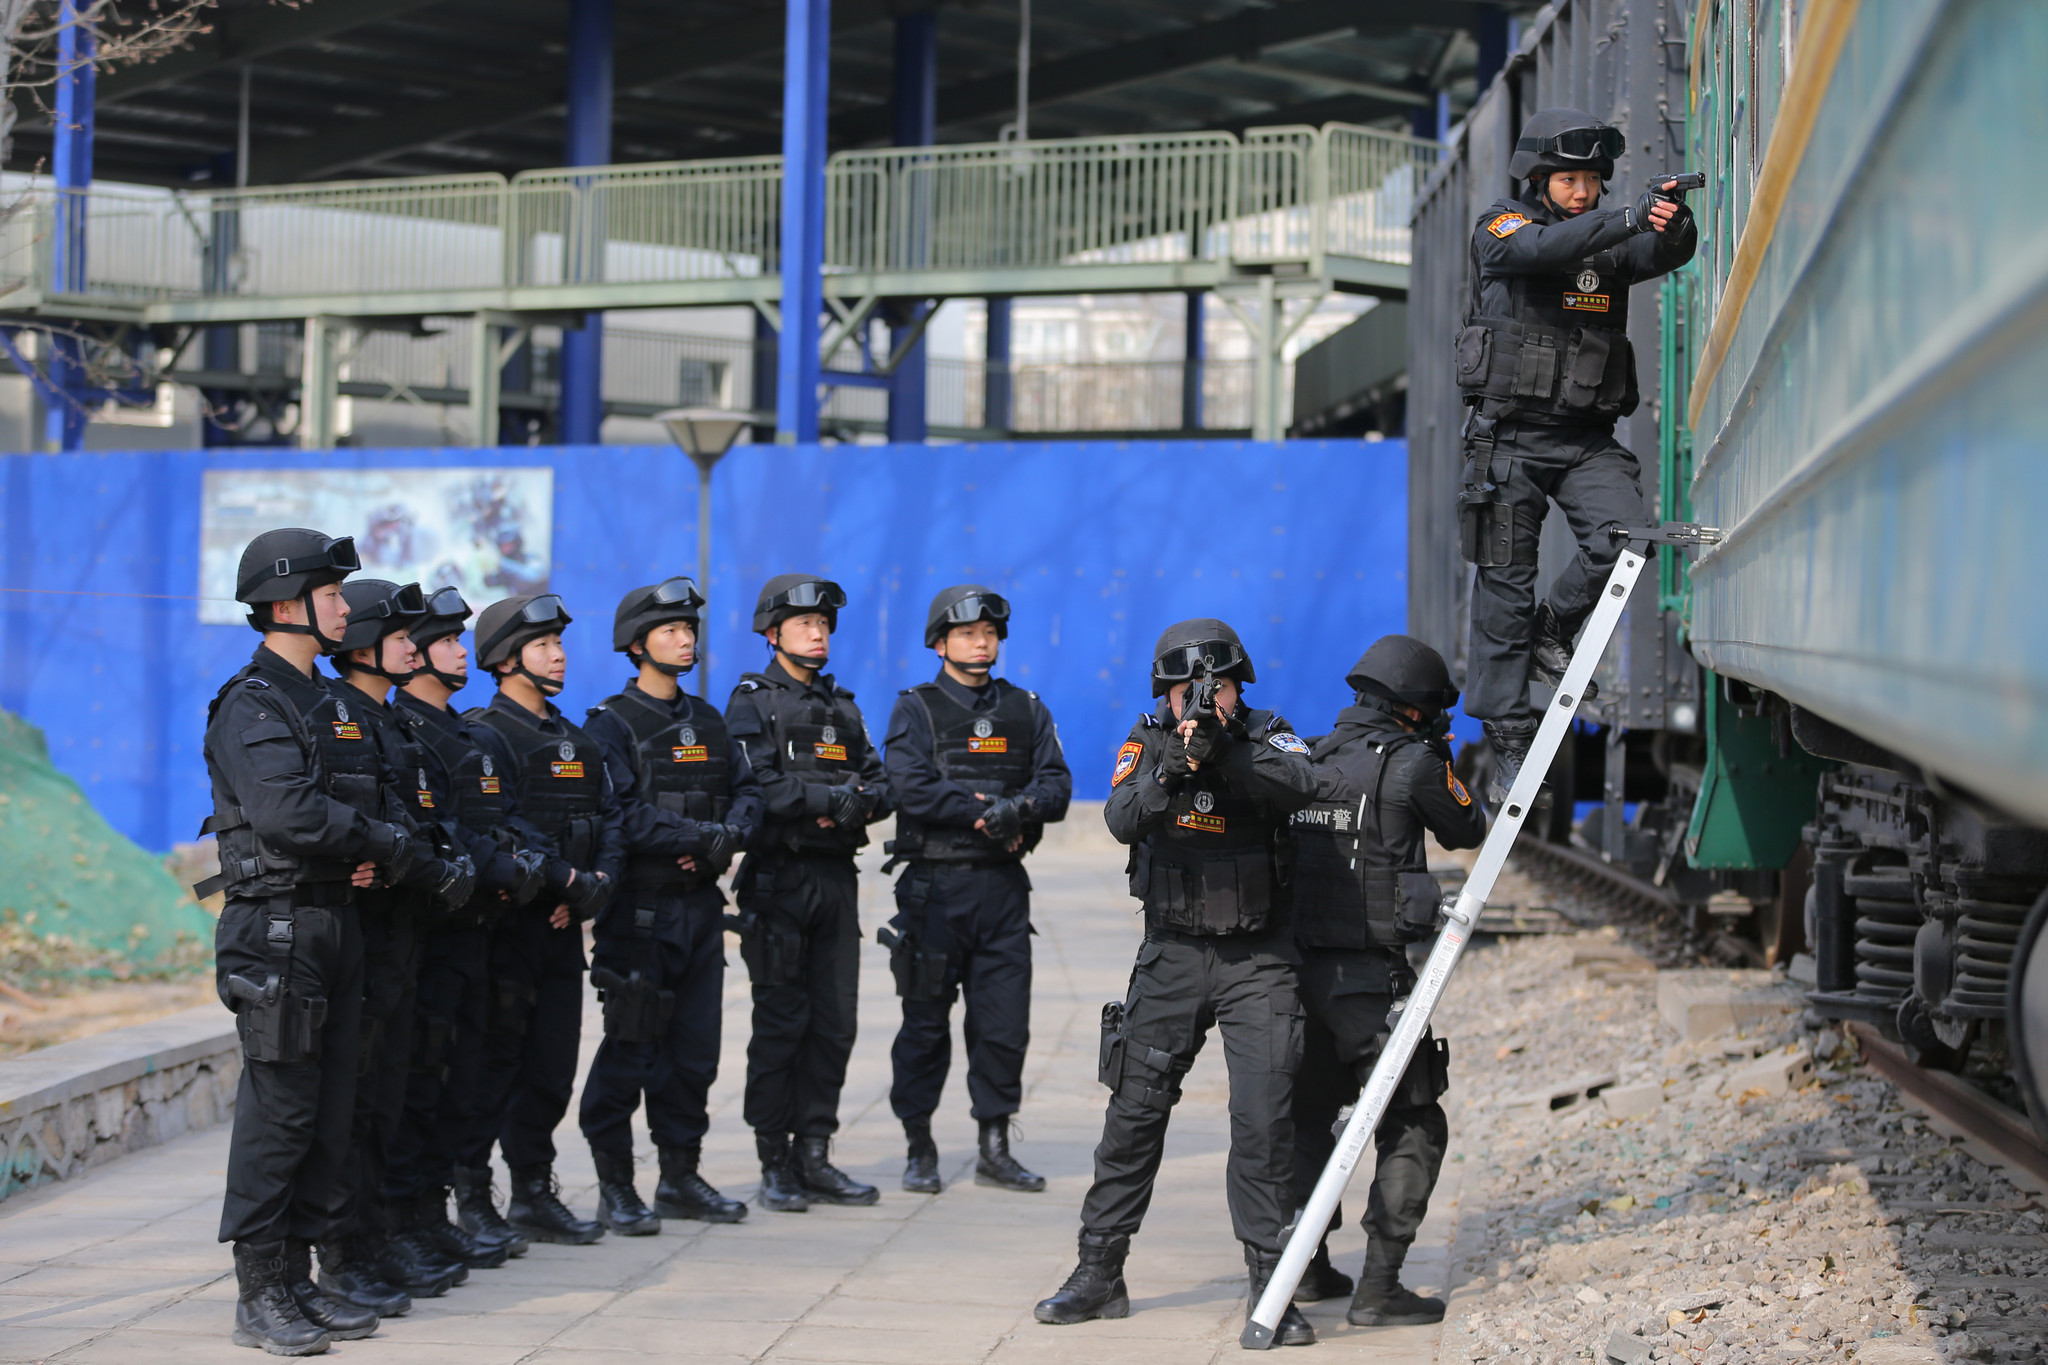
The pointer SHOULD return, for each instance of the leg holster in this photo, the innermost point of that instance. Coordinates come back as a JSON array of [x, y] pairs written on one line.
[[918, 948], [1143, 1075], [1492, 533], [636, 1009], [773, 952], [276, 1024]]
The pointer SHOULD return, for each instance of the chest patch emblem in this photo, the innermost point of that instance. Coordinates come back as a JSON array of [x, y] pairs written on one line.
[[426, 797], [566, 750], [565, 769], [488, 769], [692, 753], [341, 709], [1205, 802], [830, 753], [830, 735], [983, 728], [1207, 824], [347, 729], [1126, 762], [1587, 303], [1505, 225], [488, 785], [1289, 743], [1589, 280]]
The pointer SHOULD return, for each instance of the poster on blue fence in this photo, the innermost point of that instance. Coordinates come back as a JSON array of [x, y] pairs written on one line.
[[488, 532]]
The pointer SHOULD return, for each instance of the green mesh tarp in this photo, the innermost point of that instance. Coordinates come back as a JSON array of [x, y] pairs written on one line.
[[65, 871]]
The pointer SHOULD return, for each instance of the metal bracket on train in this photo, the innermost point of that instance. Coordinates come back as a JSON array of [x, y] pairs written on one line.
[[1670, 533]]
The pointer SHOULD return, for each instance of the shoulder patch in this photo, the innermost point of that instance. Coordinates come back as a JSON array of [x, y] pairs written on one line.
[[749, 685], [257, 682], [1505, 225], [1150, 721], [1126, 760], [1464, 798], [1288, 742]]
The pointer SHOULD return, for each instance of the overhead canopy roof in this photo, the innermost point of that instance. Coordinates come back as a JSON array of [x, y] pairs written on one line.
[[352, 88]]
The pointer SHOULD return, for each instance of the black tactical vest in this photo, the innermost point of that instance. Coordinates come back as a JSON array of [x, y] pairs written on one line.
[[1223, 862], [560, 779], [1563, 353], [1348, 887], [475, 789], [818, 743], [680, 765], [983, 751]]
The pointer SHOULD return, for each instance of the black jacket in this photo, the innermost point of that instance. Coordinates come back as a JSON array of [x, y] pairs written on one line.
[[647, 827], [922, 793]]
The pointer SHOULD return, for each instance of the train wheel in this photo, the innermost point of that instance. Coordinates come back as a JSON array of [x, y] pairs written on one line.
[[2026, 1014]]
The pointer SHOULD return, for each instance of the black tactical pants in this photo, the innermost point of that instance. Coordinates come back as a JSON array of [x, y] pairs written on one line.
[[804, 958], [1182, 985], [965, 929], [1597, 483], [449, 1016], [287, 1157], [684, 955], [390, 973], [530, 1043], [1348, 1000]]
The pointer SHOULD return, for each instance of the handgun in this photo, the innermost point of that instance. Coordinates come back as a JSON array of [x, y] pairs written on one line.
[[1679, 185]]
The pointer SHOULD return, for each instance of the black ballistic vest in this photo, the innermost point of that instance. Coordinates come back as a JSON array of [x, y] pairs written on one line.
[[1562, 354], [1348, 885], [1223, 861], [983, 751], [560, 777], [475, 789], [680, 765], [819, 744]]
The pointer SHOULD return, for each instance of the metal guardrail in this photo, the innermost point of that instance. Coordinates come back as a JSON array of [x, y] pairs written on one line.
[[1276, 195]]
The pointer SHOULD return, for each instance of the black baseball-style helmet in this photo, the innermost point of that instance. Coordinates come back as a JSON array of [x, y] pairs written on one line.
[[289, 563], [377, 609], [1566, 140], [641, 610], [1400, 668], [963, 604], [797, 594], [506, 626], [1204, 645]]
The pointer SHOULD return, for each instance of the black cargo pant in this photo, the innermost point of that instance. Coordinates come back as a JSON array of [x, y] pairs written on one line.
[[390, 973], [683, 955], [1244, 986], [965, 929], [449, 1016], [1348, 997], [1597, 483], [288, 1153], [803, 955], [530, 1042]]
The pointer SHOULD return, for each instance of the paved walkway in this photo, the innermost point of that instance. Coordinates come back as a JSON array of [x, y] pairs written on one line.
[[123, 1266]]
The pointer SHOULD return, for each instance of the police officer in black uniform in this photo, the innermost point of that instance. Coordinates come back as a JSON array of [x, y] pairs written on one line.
[[798, 892], [302, 824], [1202, 792], [977, 771], [1362, 892], [472, 803], [689, 803], [1545, 363], [560, 781]]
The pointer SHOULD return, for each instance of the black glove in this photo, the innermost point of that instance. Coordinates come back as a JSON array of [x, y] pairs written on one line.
[[533, 870], [395, 852], [587, 894], [720, 843], [457, 882], [847, 809], [1003, 820], [1639, 216], [1173, 759], [1210, 741]]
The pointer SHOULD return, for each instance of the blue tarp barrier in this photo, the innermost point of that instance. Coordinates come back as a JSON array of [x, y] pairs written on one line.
[[1301, 545]]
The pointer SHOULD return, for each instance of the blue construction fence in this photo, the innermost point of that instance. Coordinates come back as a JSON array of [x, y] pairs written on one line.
[[1099, 546]]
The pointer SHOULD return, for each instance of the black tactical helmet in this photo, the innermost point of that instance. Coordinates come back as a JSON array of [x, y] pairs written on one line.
[[446, 614], [797, 594], [506, 626], [1203, 643], [1402, 669], [377, 609], [1566, 140], [642, 609], [289, 563], [963, 604]]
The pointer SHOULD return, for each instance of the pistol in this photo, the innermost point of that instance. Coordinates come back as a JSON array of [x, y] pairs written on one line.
[[1686, 183]]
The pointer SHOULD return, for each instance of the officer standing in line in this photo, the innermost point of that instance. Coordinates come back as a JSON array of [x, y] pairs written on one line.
[[689, 803], [798, 891], [559, 780], [977, 771], [1363, 892], [1546, 365], [301, 826], [377, 656], [1202, 794], [475, 810]]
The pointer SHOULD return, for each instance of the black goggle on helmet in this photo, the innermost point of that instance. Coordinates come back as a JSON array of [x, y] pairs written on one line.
[[1566, 140], [1203, 647], [790, 595], [963, 606], [508, 625], [377, 609], [643, 609], [446, 615]]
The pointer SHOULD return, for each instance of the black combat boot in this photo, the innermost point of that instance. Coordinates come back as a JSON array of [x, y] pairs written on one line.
[[1322, 1280], [346, 1273], [683, 1193], [1380, 1300], [338, 1318], [1096, 1288], [454, 1243], [410, 1264], [921, 1166], [477, 1209], [1293, 1329], [538, 1212], [780, 1188], [1550, 651], [618, 1204], [997, 1167], [1511, 741], [825, 1183], [266, 1315], [408, 1234]]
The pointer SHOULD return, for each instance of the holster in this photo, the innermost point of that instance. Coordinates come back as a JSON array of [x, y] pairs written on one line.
[[1492, 533], [919, 958], [274, 1023], [1143, 1075], [774, 953], [636, 1009], [1428, 1075], [512, 1003]]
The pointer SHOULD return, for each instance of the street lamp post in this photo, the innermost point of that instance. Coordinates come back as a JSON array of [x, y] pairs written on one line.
[[705, 435]]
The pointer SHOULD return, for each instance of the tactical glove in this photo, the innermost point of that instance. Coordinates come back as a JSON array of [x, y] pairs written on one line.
[[395, 852], [1210, 741], [1173, 760], [457, 882], [720, 843], [1003, 820], [847, 810], [587, 895]]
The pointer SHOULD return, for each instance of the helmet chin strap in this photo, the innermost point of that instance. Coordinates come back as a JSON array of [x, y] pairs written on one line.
[[312, 626], [641, 656], [454, 682], [549, 687], [987, 667], [816, 665]]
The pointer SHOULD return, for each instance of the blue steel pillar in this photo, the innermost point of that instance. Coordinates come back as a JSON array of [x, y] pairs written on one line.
[[916, 99], [64, 420], [588, 142], [1493, 46], [995, 373], [805, 72], [1194, 357]]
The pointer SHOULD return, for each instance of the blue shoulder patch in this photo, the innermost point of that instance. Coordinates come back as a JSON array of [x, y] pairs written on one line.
[[1274, 722], [257, 682], [1288, 742]]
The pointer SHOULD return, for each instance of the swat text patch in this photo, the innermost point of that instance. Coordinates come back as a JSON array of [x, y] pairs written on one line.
[[1587, 303], [1505, 225], [1126, 760]]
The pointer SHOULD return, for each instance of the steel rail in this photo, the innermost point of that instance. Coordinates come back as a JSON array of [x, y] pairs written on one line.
[[1949, 1097]]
